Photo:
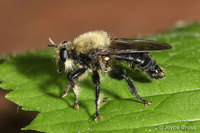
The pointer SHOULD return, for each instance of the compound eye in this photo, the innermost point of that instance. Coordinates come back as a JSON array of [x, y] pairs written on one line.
[[63, 54]]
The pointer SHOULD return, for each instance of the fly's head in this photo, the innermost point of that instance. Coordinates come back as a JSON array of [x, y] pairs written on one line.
[[61, 50], [62, 54]]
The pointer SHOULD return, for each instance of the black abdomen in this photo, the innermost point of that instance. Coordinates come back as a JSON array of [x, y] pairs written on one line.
[[142, 60]]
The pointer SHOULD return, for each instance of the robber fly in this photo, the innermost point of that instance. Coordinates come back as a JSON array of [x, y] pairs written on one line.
[[95, 51]]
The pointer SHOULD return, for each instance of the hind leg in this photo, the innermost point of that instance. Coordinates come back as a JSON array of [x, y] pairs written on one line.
[[120, 74]]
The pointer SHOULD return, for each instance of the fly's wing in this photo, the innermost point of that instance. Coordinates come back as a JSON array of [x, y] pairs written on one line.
[[138, 45], [125, 46]]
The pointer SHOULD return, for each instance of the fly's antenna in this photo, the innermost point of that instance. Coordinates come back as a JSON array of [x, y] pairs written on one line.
[[53, 46], [52, 43]]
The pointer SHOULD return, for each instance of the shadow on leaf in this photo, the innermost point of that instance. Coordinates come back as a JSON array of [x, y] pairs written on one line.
[[42, 70], [2, 61]]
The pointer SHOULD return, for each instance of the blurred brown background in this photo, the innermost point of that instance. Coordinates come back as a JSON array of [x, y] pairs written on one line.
[[27, 24]]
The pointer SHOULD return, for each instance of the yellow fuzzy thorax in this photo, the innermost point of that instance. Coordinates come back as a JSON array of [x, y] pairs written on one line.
[[91, 41]]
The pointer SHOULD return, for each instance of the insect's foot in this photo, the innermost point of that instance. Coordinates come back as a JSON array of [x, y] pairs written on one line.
[[59, 71], [98, 117], [135, 70], [65, 94], [103, 100], [76, 106], [146, 103]]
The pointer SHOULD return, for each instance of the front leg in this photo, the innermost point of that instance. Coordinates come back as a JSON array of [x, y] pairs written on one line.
[[72, 78], [61, 66], [96, 80]]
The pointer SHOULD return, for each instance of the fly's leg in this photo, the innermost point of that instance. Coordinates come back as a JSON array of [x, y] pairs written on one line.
[[61, 66], [132, 66], [72, 78], [68, 85], [134, 90], [96, 80], [120, 74]]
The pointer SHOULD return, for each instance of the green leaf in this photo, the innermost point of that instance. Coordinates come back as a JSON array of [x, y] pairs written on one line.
[[37, 86]]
